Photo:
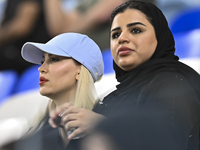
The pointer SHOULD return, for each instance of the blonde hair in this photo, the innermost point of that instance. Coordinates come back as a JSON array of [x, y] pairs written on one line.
[[86, 95]]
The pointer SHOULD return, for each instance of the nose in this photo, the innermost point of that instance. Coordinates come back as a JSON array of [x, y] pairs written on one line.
[[124, 37], [42, 68]]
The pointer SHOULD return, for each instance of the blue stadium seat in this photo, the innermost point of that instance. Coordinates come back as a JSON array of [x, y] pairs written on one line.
[[8, 79], [188, 44], [28, 80], [186, 21], [108, 61]]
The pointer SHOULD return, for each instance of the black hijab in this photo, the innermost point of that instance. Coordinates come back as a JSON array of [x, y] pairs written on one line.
[[163, 57]]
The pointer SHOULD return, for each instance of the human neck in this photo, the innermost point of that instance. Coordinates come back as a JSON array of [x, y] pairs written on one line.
[[65, 97]]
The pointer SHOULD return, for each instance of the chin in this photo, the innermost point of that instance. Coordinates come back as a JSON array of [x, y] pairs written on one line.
[[126, 65], [44, 93], [127, 68]]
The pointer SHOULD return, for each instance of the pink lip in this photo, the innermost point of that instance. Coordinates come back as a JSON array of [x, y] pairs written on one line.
[[122, 51], [42, 80]]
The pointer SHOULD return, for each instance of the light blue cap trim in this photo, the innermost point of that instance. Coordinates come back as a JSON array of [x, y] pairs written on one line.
[[77, 46]]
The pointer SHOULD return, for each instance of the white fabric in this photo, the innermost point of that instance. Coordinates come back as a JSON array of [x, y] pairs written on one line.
[[19, 114], [12, 129], [106, 85], [192, 62]]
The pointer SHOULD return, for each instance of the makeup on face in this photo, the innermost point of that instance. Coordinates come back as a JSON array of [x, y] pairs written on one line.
[[133, 39]]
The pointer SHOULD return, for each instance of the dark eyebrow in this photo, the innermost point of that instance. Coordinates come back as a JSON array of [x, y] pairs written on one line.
[[118, 28], [135, 23], [128, 25]]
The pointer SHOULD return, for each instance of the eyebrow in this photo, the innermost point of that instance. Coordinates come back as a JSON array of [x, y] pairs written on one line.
[[128, 25], [135, 23], [118, 28]]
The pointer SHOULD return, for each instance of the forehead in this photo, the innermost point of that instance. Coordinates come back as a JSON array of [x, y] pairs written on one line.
[[129, 16]]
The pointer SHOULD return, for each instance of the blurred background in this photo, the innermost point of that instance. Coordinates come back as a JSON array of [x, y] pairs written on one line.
[[19, 82]]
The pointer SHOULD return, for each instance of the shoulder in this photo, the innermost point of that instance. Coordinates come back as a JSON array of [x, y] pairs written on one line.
[[174, 77], [167, 75], [173, 85], [173, 71]]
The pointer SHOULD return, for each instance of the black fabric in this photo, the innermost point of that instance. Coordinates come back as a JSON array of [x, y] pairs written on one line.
[[161, 85], [168, 94], [131, 132], [47, 138], [10, 53]]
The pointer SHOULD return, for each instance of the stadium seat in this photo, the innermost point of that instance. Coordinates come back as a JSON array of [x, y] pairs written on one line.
[[186, 21], [188, 44], [188, 48], [8, 79], [108, 61], [28, 80]]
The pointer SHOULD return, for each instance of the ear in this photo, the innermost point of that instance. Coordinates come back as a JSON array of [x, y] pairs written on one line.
[[77, 75]]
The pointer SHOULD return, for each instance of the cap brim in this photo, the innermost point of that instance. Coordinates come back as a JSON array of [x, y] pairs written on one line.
[[33, 52]]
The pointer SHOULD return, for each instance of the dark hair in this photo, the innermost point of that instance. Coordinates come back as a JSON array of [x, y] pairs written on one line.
[[139, 5]]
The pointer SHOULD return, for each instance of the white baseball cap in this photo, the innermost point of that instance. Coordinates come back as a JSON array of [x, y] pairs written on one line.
[[75, 45]]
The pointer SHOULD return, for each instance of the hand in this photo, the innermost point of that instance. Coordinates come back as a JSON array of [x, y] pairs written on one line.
[[56, 115], [82, 119]]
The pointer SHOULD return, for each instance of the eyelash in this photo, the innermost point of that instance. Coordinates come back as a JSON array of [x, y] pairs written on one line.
[[115, 35], [51, 60], [134, 31]]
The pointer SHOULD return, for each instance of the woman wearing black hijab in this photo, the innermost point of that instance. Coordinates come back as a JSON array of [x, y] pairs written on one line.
[[152, 80]]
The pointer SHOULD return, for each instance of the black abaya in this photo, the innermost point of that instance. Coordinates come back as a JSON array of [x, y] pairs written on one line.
[[162, 86]]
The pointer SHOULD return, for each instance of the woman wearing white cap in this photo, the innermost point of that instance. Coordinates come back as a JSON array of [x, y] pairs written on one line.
[[71, 63]]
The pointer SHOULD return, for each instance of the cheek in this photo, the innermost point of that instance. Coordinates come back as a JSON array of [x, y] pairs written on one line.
[[62, 72], [152, 45], [64, 78], [152, 40], [59, 71], [148, 45]]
